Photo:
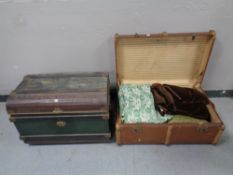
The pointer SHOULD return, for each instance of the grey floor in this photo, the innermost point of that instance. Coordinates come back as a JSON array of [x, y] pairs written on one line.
[[17, 158]]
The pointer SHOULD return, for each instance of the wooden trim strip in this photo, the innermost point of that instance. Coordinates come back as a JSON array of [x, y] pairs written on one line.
[[205, 62], [218, 135], [168, 136], [211, 33]]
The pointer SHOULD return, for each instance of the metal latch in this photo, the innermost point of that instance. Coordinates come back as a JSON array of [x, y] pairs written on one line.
[[202, 129], [137, 130]]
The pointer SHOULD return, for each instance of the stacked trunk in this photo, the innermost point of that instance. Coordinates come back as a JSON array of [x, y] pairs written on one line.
[[61, 108]]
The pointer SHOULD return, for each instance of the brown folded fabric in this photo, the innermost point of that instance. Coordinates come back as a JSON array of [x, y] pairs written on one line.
[[170, 99]]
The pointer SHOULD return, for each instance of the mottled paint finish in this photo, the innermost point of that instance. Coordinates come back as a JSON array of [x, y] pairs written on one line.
[[82, 82], [73, 125], [60, 93]]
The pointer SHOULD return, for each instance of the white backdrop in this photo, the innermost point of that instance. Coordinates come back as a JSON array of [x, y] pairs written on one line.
[[40, 36]]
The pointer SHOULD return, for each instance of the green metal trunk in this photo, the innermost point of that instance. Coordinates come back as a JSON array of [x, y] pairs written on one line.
[[61, 108]]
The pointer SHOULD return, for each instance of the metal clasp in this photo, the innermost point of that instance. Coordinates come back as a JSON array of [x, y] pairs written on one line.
[[57, 110]]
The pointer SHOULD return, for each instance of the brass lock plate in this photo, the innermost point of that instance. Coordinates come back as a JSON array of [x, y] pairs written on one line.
[[61, 123]]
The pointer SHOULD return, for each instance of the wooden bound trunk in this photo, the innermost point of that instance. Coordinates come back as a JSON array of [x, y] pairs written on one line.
[[177, 59], [61, 108]]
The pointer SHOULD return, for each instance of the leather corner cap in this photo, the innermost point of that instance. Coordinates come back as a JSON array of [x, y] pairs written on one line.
[[170, 99]]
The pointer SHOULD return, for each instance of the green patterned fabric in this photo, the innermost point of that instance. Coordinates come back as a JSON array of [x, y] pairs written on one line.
[[137, 105], [186, 119]]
